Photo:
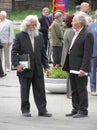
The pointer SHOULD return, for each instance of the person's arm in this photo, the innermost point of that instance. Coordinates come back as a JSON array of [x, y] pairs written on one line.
[[44, 58], [15, 54], [42, 29], [11, 33], [88, 49]]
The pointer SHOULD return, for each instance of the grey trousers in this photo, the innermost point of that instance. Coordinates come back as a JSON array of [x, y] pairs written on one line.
[[6, 49], [68, 86]]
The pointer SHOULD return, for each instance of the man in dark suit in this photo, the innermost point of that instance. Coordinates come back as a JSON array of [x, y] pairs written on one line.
[[80, 53], [30, 41], [45, 23]]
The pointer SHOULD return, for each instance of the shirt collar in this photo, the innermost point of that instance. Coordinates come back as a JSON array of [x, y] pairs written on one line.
[[78, 31]]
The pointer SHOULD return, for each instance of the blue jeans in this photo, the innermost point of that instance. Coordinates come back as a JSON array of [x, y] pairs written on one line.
[[93, 74]]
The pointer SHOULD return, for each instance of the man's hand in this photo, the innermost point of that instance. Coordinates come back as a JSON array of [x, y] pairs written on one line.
[[48, 72], [82, 73], [19, 68]]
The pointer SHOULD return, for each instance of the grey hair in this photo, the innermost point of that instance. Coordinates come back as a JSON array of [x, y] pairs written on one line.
[[27, 21], [83, 4], [88, 19], [95, 12], [45, 8], [3, 13], [81, 19]]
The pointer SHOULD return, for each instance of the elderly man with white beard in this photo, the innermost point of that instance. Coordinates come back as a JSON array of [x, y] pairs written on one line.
[[30, 41]]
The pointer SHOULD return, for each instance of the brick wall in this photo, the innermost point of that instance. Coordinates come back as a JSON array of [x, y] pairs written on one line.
[[34, 5], [9, 5], [5, 5], [14, 5]]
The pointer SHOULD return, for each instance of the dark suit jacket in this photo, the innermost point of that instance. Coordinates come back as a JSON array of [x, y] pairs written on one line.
[[81, 52], [44, 26], [38, 58]]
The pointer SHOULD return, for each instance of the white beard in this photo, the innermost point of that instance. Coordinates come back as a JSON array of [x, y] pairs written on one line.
[[33, 33]]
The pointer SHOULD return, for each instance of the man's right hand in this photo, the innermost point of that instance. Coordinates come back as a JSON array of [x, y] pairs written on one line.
[[19, 68]]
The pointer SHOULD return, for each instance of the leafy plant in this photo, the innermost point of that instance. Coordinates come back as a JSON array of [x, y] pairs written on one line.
[[16, 31], [20, 15], [58, 73]]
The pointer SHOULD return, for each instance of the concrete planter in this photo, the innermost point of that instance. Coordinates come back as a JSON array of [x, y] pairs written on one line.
[[55, 85]]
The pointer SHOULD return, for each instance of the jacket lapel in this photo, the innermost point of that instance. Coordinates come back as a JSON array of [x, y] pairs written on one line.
[[78, 37]]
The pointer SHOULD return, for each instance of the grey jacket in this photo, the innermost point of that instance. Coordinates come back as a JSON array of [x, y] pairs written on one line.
[[6, 34], [68, 35]]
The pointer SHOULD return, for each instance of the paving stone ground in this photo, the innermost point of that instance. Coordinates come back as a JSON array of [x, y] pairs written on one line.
[[57, 104]]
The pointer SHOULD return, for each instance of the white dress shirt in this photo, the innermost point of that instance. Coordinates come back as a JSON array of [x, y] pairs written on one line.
[[1, 25], [32, 41], [74, 37]]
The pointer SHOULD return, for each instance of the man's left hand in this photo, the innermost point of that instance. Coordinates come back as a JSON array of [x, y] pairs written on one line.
[[48, 72], [81, 73]]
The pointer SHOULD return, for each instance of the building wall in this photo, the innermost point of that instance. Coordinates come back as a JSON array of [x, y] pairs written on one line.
[[15, 5], [32, 4], [6, 5]]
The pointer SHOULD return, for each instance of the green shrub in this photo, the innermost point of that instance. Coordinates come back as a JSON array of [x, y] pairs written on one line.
[[16, 31], [20, 15], [58, 73]]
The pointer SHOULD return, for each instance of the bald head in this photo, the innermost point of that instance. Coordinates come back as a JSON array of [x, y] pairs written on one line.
[[3, 15]]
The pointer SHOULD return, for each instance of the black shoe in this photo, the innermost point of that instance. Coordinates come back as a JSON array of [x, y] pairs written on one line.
[[46, 114], [70, 114], [78, 115], [26, 114], [3, 75]]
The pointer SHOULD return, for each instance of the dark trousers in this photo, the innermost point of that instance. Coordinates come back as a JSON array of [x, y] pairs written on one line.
[[1, 69], [79, 93], [46, 43], [38, 92], [57, 52]]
